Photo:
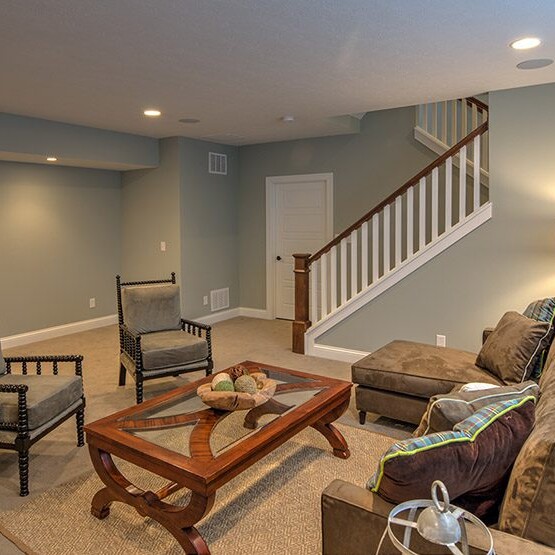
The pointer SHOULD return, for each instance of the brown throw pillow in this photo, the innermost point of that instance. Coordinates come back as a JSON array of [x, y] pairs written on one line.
[[473, 460], [444, 411], [512, 346]]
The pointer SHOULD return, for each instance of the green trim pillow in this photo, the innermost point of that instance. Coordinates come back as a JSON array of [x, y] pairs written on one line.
[[542, 311], [473, 460]]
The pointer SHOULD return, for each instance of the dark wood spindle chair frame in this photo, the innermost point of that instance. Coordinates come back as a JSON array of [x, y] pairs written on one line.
[[130, 342], [23, 440]]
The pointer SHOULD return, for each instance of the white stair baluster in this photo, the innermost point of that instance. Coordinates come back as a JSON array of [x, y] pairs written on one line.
[[435, 203], [422, 214], [464, 119], [314, 291], [375, 248], [343, 276], [364, 255], [333, 278], [448, 193], [474, 116], [444, 123], [386, 240], [476, 163], [354, 263], [410, 222], [462, 184], [434, 107], [324, 285], [398, 229], [453, 122]]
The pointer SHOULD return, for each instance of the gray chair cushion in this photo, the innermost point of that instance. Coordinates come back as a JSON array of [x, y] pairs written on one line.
[[151, 308], [418, 369], [47, 397], [2, 362], [164, 349]]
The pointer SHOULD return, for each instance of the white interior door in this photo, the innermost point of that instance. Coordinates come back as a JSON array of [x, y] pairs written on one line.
[[302, 224]]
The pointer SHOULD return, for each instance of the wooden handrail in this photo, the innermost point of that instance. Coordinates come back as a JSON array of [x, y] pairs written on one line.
[[412, 181], [482, 107]]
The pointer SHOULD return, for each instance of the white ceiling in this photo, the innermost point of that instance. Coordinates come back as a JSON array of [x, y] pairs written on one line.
[[239, 65]]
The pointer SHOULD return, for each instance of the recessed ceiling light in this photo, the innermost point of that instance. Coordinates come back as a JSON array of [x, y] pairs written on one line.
[[535, 64], [189, 120], [525, 43], [152, 113], [51, 159], [288, 119]]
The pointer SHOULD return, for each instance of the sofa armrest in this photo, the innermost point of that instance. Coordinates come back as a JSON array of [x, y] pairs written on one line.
[[354, 519], [485, 334]]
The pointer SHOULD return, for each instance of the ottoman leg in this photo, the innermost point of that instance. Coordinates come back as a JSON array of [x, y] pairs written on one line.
[[362, 417]]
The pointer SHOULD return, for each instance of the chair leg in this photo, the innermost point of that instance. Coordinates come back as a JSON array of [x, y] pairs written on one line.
[[122, 374], [80, 416], [362, 417], [139, 391], [23, 473]]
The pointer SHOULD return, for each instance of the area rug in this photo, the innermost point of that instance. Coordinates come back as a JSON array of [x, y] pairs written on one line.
[[271, 508]]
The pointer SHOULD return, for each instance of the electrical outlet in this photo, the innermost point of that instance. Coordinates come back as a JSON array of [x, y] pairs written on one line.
[[163, 246], [441, 340], [205, 300], [92, 302]]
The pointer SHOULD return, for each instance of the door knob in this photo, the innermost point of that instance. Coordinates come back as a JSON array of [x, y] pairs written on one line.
[[278, 257]]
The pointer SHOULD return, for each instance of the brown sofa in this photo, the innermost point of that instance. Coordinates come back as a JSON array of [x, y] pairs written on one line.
[[398, 380], [353, 518]]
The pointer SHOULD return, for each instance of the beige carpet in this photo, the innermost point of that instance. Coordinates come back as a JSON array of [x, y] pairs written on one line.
[[272, 508]]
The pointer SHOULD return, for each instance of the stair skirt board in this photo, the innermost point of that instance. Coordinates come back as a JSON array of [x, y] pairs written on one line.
[[457, 232]]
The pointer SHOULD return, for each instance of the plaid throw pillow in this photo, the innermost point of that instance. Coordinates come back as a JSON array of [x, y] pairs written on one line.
[[542, 311]]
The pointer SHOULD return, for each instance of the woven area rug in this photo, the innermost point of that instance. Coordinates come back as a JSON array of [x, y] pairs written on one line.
[[273, 507]]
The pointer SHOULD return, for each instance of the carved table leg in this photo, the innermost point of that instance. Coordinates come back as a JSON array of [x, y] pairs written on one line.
[[179, 521], [331, 433], [269, 407]]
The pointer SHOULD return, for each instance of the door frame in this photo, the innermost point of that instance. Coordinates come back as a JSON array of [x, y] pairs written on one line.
[[271, 200]]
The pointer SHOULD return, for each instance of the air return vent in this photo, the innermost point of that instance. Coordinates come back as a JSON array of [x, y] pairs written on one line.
[[217, 163], [219, 299]]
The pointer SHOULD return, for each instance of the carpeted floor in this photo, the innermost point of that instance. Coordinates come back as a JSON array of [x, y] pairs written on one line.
[[55, 460], [273, 507]]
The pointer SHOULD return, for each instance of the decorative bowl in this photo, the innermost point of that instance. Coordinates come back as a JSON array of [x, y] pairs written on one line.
[[236, 400]]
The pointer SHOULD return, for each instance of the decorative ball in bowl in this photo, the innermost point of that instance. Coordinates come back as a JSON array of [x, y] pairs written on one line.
[[238, 389]]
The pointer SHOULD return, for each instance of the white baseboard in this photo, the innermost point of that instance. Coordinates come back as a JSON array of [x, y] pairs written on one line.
[[57, 331], [75, 327], [261, 313], [336, 353], [218, 316]]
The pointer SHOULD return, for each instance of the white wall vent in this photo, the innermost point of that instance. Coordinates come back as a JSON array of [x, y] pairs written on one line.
[[217, 163], [219, 299]]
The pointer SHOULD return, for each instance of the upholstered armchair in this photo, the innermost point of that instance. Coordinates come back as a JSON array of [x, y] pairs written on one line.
[[32, 405], [155, 341]]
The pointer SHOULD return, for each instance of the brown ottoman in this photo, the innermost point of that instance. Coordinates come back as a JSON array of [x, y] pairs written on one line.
[[398, 379]]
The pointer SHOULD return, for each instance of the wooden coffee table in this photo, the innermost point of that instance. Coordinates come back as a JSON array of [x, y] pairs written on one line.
[[177, 437]]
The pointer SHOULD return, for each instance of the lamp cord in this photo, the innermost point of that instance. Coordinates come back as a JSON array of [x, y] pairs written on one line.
[[381, 541]]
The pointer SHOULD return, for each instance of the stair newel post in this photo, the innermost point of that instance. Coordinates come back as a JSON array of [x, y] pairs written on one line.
[[301, 323]]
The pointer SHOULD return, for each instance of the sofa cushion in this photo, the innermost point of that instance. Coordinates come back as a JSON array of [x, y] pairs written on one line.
[[151, 308], [513, 345], [2, 362], [473, 460], [418, 369], [527, 509], [47, 397], [444, 411], [542, 311], [164, 349]]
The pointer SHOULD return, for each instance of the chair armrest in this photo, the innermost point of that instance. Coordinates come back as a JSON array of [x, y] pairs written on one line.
[[486, 334], [131, 341], [191, 324], [22, 425], [39, 359]]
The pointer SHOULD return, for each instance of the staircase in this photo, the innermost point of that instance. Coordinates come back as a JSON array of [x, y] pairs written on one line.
[[437, 207]]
